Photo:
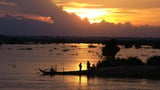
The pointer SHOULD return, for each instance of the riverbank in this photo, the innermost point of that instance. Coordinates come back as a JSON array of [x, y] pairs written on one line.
[[130, 71]]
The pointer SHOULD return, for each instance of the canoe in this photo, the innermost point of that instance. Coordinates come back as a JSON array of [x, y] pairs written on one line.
[[44, 72], [47, 72], [119, 71]]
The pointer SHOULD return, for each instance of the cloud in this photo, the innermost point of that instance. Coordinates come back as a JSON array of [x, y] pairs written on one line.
[[25, 9], [136, 4], [79, 5], [34, 17], [25, 21], [75, 28], [7, 3]]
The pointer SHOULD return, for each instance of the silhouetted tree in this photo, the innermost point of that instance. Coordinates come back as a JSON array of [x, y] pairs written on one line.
[[110, 49], [133, 61], [155, 60]]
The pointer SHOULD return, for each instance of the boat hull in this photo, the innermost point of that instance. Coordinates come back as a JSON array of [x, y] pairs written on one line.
[[85, 72]]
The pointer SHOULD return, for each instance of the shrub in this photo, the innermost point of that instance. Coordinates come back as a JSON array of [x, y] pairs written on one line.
[[130, 61], [155, 60], [134, 61]]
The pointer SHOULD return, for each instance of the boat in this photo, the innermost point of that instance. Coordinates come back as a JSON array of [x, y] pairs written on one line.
[[45, 72], [119, 71]]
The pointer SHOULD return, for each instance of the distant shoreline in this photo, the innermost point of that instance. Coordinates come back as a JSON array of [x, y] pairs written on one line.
[[64, 39]]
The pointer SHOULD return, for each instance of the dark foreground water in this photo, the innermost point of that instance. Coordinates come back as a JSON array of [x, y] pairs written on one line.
[[34, 82], [19, 68]]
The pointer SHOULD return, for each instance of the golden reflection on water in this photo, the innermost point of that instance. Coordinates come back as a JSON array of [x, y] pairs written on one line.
[[82, 80], [67, 60], [85, 54], [83, 45], [79, 79]]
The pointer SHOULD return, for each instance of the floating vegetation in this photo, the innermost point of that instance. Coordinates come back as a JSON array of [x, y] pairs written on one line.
[[144, 55], [65, 50], [75, 54], [50, 50], [119, 54], [60, 54], [130, 61], [12, 65], [153, 51], [92, 46], [74, 46], [9, 48], [155, 60], [54, 48], [134, 61], [137, 46], [128, 45], [25, 49], [156, 46], [90, 51], [147, 47]]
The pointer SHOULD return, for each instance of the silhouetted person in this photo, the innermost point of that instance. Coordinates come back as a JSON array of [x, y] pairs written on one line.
[[52, 70], [80, 67], [93, 66], [14, 66], [88, 65]]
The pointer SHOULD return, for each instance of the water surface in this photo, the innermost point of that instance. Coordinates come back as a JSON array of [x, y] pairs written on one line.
[[19, 68]]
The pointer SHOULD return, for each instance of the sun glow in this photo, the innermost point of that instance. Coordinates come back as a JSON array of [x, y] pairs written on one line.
[[103, 10], [93, 12], [94, 15]]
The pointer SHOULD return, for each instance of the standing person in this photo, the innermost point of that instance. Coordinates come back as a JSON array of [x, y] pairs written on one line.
[[52, 70], [88, 65], [80, 67]]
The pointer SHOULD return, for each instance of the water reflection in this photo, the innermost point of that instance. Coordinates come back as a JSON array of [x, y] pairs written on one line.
[[82, 79], [81, 54], [100, 83], [44, 56]]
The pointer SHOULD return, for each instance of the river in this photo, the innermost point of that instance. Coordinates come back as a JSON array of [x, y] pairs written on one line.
[[19, 67]]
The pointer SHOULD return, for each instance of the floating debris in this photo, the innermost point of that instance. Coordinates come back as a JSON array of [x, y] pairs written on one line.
[[12, 65], [119, 54], [138, 46], [144, 55], [74, 46], [75, 54], [128, 45], [25, 49], [92, 46], [54, 48], [50, 50], [90, 51], [65, 50], [60, 54]]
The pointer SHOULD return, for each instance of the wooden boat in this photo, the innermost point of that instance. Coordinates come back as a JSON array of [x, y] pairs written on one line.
[[47, 72], [119, 71], [84, 72]]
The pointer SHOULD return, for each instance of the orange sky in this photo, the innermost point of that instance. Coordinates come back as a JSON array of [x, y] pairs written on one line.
[[35, 15], [137, 12]]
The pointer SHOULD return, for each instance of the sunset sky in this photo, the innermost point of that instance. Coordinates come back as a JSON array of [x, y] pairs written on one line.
[[116, 11], [113, 18]]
